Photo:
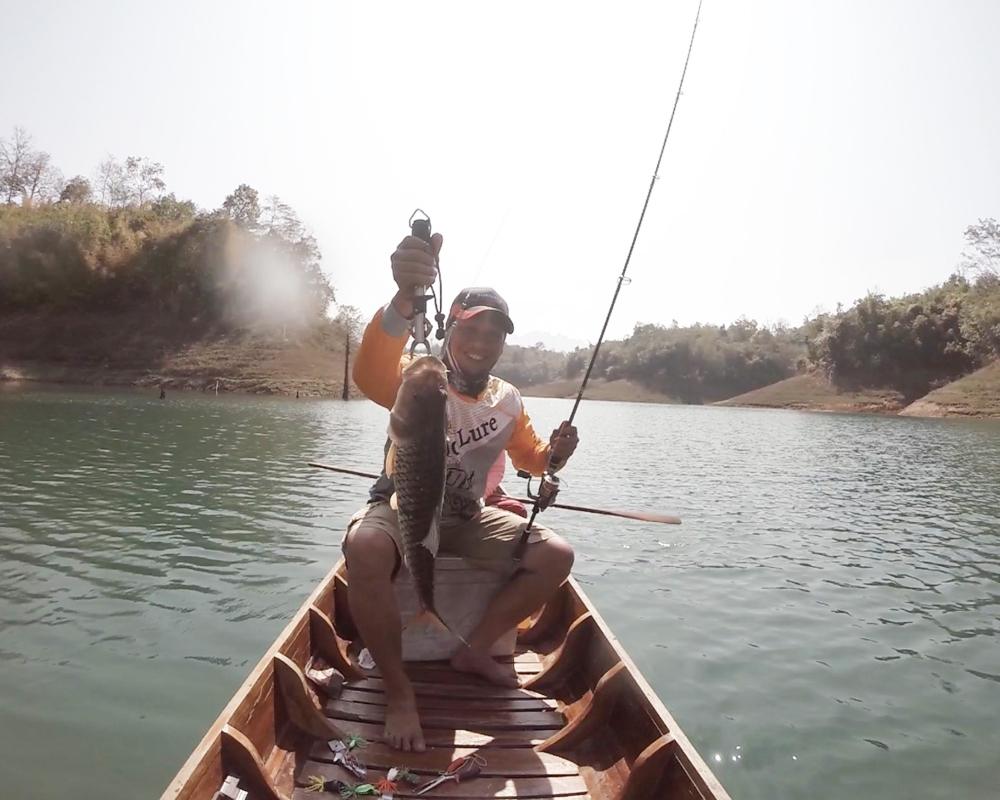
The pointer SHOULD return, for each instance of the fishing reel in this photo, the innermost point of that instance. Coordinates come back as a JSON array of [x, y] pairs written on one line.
[[420, 226], [548, 488]]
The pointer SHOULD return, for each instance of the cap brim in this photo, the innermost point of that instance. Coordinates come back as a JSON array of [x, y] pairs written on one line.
[[469, 313]]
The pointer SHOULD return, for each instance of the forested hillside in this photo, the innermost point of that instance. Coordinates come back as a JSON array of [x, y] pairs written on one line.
[[909, 344], [120, 245], [113, 278]]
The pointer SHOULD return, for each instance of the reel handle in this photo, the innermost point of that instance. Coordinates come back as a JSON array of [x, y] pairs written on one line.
[[548, 488]]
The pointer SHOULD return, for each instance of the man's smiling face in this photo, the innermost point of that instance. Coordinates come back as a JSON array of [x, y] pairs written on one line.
[[477, 342]]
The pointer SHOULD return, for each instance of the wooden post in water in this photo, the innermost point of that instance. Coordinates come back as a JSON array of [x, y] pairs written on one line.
[[347, 358]]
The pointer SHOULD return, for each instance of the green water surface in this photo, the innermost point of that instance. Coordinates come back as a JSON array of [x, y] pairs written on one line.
[[823, 625]]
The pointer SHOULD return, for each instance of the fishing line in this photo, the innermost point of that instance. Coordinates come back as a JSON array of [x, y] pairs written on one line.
[[656, 176], [549, 486], [489, 250]]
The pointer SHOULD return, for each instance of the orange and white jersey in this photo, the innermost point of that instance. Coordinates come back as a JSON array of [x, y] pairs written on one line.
[[480, 429]]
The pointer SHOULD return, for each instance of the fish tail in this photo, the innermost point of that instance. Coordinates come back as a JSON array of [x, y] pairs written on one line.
[[431, 619]]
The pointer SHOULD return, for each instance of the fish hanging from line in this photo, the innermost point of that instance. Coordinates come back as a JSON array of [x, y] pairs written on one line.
[[417, 463]]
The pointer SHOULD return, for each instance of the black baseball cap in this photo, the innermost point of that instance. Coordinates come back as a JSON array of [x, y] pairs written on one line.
[[476, 299]]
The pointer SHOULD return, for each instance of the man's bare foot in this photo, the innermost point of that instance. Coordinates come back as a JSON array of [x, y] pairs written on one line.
[[483, 665], [402, 723]]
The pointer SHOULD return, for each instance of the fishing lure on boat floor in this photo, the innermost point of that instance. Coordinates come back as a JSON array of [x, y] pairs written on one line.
[[459, 770], [317, 783], [389, 785], [361, 790], [342, 755]]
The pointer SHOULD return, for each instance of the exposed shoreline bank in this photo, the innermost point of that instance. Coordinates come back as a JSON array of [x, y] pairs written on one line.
[[141, 351], [137, 350]]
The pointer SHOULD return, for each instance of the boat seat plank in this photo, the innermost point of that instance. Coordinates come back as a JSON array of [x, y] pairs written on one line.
[[478, 718], [510, 762], [482, 786], [478, 690], [462, 737], [468, 705]]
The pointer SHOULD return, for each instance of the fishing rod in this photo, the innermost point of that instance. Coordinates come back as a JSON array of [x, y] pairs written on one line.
[[549, 486], [664, 519]]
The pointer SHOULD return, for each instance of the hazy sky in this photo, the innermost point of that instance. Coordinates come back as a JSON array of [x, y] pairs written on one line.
[[821, 149]]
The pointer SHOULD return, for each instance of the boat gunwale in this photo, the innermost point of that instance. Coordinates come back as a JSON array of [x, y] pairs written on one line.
[[213, 735], [708, 784]]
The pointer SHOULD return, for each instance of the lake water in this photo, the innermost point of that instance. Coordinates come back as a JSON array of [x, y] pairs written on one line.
[[823, 625]]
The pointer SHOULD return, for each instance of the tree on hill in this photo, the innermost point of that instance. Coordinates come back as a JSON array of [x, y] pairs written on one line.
[[145, 178], [14, 156], [982, 254], [25, 173], [133, 182], [243, 206], [906, 345], [43, 182], [575, 363], [77, 190], [136, 246], [170, 209]]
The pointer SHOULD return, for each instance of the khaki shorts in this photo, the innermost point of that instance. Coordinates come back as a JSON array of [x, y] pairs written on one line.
[[487, 540]]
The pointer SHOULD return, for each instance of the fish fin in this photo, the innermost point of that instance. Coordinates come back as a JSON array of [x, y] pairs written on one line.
[[390, 460], [432, 540], [431, 619], [394, 502]]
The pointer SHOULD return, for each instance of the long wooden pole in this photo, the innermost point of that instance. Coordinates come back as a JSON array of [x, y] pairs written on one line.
[[347, 359], [663, 519]]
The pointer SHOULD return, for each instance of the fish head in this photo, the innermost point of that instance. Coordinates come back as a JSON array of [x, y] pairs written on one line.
[[422, 395], [426, 375]]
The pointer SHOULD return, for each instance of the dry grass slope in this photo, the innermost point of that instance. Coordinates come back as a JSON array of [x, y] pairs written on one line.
[[975, 395], [136, 350], [623, 390], [814, 392]]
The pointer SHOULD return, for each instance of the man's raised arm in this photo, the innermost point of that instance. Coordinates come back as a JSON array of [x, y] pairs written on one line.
[[377, 365]]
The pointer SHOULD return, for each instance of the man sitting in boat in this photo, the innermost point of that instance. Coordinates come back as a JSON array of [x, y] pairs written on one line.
[[486, 419]]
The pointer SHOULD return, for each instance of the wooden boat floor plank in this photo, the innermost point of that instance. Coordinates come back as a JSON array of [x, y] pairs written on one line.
[[511, 762], [479, 719], [304, 794], [467, 705], [434, 673], [482, 786], [462, 737], [526, 655], [441, 672], [479, 689]]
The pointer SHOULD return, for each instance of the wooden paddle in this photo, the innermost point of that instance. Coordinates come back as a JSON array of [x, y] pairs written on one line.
[[664, 519]]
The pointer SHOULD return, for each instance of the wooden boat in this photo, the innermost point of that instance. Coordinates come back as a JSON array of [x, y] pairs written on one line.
[[585, 725]]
